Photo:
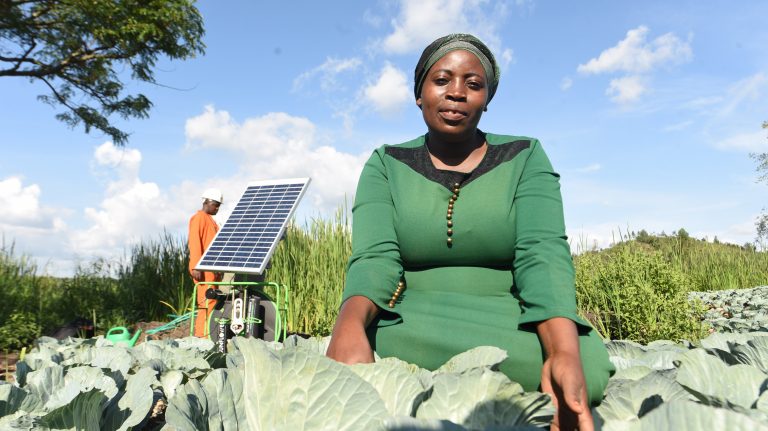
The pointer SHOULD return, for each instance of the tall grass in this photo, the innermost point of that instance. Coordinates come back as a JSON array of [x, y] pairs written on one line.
[[311, 261], [715, 266], [21, 298], [155, 272]]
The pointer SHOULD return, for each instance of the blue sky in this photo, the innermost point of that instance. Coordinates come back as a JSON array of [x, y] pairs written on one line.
[[648, 110]]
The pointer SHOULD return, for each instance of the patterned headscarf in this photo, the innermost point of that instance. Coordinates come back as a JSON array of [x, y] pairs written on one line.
[[437, 50]]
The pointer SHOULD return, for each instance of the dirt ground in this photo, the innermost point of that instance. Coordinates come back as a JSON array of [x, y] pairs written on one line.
[[180, 331]]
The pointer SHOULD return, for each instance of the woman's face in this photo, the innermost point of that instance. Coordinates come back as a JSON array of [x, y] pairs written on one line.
[[453, 96]]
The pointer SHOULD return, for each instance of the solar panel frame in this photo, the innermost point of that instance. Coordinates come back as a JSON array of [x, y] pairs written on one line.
[[249, 237]]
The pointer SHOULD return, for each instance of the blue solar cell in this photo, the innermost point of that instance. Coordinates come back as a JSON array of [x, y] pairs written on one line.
[[249, 236]]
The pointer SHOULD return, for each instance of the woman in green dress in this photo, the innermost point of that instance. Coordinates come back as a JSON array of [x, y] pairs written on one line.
[[458, 241]]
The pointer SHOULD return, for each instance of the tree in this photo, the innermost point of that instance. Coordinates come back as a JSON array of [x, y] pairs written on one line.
[[75, 48], [762, 166]]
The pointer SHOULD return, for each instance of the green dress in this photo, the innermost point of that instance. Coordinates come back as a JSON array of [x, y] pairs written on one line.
[[504, 265]]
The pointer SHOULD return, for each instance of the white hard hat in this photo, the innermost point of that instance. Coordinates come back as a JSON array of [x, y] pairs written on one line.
[[213, 194]]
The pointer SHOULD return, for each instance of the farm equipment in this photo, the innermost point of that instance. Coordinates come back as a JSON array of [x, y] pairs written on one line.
[[247, 310], [244, 245]]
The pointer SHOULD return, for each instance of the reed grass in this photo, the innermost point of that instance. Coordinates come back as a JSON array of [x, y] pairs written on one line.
[[311, 261], [716, 266], [156, 272]]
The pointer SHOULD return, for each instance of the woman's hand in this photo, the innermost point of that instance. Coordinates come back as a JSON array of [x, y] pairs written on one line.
[[563, 378], [562, 375], [349, 343]]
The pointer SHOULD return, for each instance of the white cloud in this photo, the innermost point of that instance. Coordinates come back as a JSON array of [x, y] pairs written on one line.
[[526, 5], [566, 83], [704, 102], [594, 167], [507, 58], [22, 209], [422, 21], [749, 88], [753, 142], [325, 74], [390, 93], [626, 89], [126, 160], [634, 55], [678, 126], [277, 145], [372, 19], [131, 210], [637, 58]]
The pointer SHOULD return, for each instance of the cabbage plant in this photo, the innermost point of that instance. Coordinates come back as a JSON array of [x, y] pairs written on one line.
[[184, 385]]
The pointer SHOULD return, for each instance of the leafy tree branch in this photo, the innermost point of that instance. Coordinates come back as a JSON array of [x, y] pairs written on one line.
[[75, 46]]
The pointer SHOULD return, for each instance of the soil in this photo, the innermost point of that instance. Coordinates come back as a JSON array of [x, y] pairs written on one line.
[[180, 331], [8, 365]]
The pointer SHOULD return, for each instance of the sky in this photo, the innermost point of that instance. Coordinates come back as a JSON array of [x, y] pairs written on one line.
[[648, 110]]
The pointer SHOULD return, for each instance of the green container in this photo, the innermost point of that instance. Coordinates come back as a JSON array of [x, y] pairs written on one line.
[[121, 337]]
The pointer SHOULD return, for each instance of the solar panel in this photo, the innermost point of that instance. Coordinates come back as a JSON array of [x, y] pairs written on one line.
[[249, 236]]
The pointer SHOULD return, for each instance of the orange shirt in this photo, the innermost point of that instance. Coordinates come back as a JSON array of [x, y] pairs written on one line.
[[202, 229]]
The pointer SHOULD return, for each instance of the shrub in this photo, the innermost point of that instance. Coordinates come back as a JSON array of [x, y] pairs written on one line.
[[631, 292], [19, 330]]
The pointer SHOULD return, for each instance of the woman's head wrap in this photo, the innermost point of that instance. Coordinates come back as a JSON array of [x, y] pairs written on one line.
[[437, 49]]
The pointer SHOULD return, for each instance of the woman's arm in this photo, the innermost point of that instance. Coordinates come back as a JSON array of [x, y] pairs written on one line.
[[374, 267], [562, 375], [544, 275], [349, 344]]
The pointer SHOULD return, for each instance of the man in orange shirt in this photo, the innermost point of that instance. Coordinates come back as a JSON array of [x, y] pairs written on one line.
[[202, 229]]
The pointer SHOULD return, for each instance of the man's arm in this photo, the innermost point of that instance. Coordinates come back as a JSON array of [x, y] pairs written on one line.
[[195, 244]]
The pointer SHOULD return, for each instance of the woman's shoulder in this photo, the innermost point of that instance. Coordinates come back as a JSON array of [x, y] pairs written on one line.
[[416, 142], [497, 139]]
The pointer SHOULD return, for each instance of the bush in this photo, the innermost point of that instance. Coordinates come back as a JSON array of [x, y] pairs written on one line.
[[19, 330], [631, 292]]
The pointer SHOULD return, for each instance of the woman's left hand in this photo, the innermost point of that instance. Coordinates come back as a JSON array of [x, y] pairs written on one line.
[[562, 375], [563, 378]]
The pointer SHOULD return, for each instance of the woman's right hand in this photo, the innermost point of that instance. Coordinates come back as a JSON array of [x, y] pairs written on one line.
[[350, 346], [349, 343]]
